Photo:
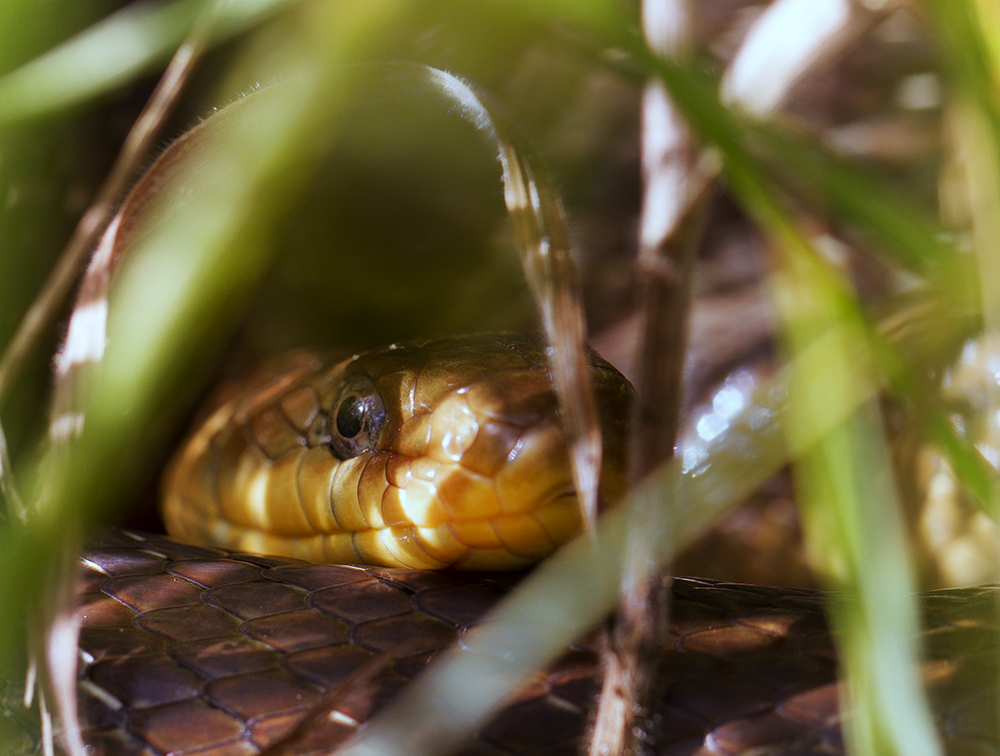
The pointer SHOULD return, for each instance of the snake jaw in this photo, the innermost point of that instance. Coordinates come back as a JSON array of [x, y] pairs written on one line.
[[471, 468]]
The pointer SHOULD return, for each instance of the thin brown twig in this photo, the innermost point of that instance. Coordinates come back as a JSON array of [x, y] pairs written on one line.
[[93, 222], [670, 231]]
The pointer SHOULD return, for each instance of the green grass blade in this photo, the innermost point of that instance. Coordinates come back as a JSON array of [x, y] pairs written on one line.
[[112, 53], [568, 594], [179, 291], [852, 519]]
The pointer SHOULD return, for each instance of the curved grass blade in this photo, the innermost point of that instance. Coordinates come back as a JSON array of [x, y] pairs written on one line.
[[90, 312], [201, 217], [853, 525], [84, 346], [539, 224], [203, 251]]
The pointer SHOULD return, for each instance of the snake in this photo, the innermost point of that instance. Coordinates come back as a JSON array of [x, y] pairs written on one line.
[[444, 453], [324, 516]]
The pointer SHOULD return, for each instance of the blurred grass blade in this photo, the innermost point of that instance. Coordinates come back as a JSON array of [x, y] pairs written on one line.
[[204, 250], [967, 56], [568, 594], [11, 504], [903, 230], [988, 18], [855, 534], [113, 52], [971, 41], [977, 476], [137, 376], [539, 225], [93, 226], [852, 520], [982, 180]]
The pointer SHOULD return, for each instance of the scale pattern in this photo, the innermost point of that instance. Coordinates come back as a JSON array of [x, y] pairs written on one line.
[[189, 650]]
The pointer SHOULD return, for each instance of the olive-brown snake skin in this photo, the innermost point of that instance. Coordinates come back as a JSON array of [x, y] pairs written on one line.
[[191, 650], [198, 650]]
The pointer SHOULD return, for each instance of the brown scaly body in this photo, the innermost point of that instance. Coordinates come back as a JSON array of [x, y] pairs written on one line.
[[192, 650]]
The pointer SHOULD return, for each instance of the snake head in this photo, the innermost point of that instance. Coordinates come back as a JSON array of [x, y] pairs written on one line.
[[434, 454]]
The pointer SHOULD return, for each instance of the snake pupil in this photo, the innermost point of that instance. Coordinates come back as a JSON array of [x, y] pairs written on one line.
[[350, 417]]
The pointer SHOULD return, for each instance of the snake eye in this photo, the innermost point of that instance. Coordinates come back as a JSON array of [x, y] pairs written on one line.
[[360, 415], [350, 416]]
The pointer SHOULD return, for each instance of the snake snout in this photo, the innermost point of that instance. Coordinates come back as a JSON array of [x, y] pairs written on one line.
[[492, 488]]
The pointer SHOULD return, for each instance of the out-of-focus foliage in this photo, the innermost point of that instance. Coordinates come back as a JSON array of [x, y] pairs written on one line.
[[386, 222]]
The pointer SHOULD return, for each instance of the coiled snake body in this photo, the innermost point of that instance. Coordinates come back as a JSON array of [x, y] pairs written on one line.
[[198, 650]]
